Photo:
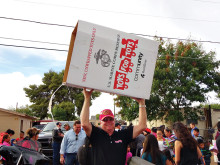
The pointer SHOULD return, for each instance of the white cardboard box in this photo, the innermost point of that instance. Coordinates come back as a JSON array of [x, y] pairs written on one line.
[[111, 61]]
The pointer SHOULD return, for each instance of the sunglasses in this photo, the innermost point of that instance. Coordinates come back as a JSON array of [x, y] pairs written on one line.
[[76, 137], [108, 119]]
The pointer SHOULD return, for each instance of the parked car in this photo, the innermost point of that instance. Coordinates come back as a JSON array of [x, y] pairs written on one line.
[[40, 127], [45, 136]]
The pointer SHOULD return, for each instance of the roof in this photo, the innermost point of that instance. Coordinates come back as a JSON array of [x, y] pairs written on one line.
[[17, 113]]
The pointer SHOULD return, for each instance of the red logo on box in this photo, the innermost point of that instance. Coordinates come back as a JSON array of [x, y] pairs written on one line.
[[120, 80]]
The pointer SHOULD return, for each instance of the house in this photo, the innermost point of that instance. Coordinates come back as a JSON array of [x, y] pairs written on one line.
[[10, 119]]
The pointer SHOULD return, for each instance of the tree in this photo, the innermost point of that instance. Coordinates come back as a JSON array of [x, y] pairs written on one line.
[[64, 111], [40, 95], [213, 106], [97, 116], [184, 74], [25, 110]]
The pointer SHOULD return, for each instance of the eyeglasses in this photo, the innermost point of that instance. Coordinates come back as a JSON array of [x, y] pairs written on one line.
[[108, 119], [76, 137]]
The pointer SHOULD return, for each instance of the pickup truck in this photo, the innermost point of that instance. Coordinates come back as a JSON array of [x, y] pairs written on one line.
[[45, 136]]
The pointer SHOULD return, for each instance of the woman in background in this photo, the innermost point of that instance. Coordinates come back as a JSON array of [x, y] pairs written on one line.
[[152, 153], [31, 141], [186, 150], [6, 140]]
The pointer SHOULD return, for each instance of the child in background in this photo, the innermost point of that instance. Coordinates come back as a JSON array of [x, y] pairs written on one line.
[[160, 139], [13, 142], [205, 151], [6, 140], [128, 156]]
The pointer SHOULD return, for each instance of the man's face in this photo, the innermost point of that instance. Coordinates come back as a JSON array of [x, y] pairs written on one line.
[[66, 127], [108, 124], [59, 125], [192, 126], [195, 133], [77, 128]]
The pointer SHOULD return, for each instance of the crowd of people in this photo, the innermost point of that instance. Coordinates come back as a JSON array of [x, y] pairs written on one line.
[[108, 144]]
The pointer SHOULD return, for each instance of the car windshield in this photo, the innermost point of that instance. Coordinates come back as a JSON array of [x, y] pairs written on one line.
[[50, 126]]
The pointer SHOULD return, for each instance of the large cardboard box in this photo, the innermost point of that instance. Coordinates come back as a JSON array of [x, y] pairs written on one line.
[[111, 61]]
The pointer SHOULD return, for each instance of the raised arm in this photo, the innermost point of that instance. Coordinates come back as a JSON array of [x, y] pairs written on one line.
[[84, 116], [142, 118]]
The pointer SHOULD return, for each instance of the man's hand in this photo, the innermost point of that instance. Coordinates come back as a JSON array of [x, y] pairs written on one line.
[[87, 94], [140, 101], [62, 161], [61, 134]]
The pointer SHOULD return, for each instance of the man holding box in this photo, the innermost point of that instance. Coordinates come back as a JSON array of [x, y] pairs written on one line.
[[110, 146]]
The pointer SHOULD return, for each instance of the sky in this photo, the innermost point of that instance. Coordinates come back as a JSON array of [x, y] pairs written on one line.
[[20, 67]]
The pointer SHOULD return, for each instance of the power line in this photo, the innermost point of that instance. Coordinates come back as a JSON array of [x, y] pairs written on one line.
[[31, 47], [119, 12], [16, 39], [53, 24], [25, 20], [173, 38]]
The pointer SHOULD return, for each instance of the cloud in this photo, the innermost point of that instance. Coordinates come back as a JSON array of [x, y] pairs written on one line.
[[11, 87]]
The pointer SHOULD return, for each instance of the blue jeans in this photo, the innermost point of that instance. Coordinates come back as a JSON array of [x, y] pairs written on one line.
[[71, 159], [56, 153]]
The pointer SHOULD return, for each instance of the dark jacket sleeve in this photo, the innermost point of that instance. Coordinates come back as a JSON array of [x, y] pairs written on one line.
[[56, 136]]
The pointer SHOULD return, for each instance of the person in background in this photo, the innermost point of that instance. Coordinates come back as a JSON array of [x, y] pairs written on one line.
[[57, 135], [117, 126], [109, 146], [73, 139], [168, 133], [205, 151], [31, 141], [13, 142], [84, 155], [9, 131], [152, 153], [186, 149], [169, 142], [21, 136], [192, 126], [6, 140], [139, 142], [128, 156], [218, 143], [160, 139], [196, 134], [66, 126]]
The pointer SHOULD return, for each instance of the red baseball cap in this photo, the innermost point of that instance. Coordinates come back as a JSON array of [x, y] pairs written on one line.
[[106, 113]]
